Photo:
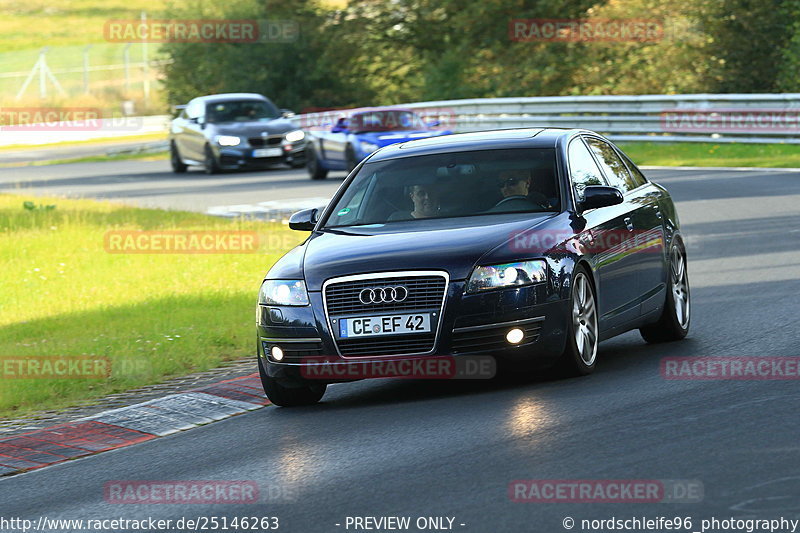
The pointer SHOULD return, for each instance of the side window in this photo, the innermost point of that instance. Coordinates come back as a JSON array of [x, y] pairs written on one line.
[[354, 198], [615, 170], [636, 174], [582, 168]]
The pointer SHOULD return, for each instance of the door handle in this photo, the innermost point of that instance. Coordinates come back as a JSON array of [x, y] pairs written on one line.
[[628, 223]]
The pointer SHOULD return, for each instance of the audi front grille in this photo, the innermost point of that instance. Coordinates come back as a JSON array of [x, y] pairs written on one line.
[[424, 292]]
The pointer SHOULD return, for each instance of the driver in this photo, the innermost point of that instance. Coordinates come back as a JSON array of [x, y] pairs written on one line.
[[515, 187]]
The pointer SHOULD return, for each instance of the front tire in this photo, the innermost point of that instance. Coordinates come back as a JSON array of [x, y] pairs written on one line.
[[315, 170], [210, 161], [305, 394], [673, 324], [580, 353], [178, 166]]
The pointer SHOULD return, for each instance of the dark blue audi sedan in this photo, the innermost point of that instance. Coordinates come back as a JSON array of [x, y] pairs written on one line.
[[527, 245]]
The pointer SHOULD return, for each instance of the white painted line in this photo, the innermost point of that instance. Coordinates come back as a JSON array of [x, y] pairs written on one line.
[[173, 413]]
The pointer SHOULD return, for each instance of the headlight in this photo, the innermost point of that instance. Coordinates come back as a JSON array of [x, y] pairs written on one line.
[[295, 136], [369, 147], [228, 140], [507, 275], [283, 292]]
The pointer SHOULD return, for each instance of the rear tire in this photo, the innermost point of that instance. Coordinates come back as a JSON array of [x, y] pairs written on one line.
[[282, 396], [580, 353], [178, 166], [315, 170], [673, 324], [210, 161]]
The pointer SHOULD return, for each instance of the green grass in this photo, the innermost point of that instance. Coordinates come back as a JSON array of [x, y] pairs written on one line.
[[107, 140], [713, 155], [140, 156], [66, 28], [154, 316], [35, 23]]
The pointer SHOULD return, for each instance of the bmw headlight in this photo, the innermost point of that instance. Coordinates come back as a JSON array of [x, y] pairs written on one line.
[[369, 147], [295, 136], [228, 140], [507, 275], [283, 292]]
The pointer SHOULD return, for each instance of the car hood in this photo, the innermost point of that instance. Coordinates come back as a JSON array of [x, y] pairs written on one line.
[[454, 245], [383, 138], [254, 129]]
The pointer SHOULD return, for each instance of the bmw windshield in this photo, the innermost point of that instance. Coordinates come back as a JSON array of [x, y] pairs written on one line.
[[241, 111], [375, 121], [449, 185]]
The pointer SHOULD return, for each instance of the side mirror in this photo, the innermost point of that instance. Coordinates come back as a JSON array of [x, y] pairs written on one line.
[[287, 113], [433, 124], [304, 220], [596, 196]]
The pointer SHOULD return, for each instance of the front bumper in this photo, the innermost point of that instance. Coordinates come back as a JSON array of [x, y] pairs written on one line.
[[236, 157], [474, 324]]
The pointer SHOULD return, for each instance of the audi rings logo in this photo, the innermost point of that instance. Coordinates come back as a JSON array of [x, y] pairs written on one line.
[[383, 295]]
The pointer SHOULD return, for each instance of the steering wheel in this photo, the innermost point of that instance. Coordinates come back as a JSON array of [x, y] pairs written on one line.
[[535, 198]]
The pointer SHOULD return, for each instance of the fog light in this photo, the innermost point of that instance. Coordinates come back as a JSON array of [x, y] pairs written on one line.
[[277, 353], [514, 336]]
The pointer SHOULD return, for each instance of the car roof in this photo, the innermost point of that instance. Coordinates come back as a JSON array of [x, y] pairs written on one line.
[[479, 140], [231, 96]]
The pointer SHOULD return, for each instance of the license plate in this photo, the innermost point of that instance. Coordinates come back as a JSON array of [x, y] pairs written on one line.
[[371, 326], [267, 152]]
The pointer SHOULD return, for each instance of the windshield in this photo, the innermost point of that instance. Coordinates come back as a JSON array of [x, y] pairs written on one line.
[[449, 185], [385, 121], [241, 111]]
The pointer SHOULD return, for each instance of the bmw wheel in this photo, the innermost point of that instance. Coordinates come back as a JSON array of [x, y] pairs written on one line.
[[673, 325], [178, 166], [315, 170], [210, 161]]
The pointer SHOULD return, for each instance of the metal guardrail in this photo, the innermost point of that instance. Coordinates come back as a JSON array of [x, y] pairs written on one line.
[[719, 118]]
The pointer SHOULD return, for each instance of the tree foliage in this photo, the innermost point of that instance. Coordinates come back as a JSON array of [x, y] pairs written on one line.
[[392, 51]]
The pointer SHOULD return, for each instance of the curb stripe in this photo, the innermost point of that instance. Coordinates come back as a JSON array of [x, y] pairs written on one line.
[[125, 426]]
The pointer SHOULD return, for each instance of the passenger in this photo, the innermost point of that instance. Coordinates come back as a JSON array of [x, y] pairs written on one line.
[[425, 199]]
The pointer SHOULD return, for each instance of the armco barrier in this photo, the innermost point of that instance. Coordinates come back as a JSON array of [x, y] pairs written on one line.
[[719, 118]]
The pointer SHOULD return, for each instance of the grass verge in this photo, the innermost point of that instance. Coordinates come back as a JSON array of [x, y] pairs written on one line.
[[153, 316], [141, 156], [712, 155]]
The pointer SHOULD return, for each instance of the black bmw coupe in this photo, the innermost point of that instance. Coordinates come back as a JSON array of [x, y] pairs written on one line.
[[528, 245], [234, 131]]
